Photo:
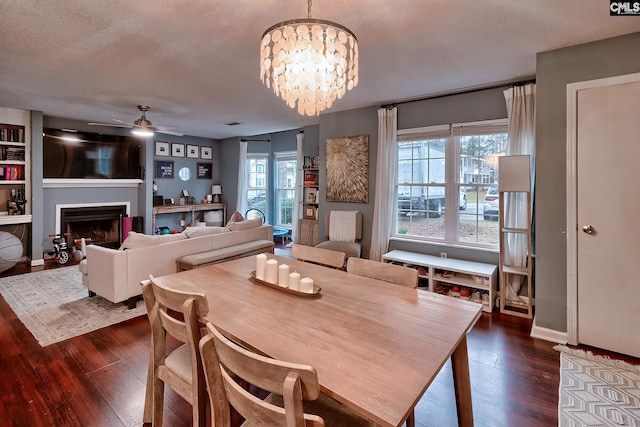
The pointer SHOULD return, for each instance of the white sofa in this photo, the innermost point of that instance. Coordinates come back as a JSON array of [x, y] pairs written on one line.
[[115, 274]]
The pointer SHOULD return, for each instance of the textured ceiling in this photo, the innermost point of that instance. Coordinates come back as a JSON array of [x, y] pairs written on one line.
[[195, 62]]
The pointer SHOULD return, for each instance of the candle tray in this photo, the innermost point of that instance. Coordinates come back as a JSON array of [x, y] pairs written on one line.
[[314, 294]]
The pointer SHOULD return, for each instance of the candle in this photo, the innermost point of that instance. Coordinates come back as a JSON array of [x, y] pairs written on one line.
[[283, 275], [306, 285], [294, 281], [261, 263], [271, 271]]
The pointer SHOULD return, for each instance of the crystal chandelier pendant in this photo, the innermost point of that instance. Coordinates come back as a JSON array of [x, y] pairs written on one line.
[[309, 63]]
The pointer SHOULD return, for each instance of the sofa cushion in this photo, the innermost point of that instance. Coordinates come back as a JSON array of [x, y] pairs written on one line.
[[236, 217], [202, 231], [244, 225], [139, 240], [202, 259]]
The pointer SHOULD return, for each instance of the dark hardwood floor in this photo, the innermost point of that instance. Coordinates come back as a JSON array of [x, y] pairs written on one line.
[[98, 379]]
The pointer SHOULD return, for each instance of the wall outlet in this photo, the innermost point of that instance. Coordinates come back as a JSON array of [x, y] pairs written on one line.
[[182, 223], [443, 254]]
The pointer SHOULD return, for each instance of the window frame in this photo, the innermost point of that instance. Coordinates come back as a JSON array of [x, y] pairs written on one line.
[[282, 157], [452, 134], [258, 188]]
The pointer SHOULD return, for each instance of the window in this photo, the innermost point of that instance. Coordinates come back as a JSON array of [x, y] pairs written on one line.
[[444, 173], [257, 182], [285, 183]]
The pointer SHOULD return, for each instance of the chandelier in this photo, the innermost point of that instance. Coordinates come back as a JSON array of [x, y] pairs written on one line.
[[309, 62]]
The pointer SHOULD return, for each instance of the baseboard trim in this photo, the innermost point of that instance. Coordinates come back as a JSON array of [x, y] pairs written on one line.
[[548, 334], [37, 262]]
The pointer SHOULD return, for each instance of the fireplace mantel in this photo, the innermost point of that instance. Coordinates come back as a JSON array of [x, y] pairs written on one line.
[[90, 183]]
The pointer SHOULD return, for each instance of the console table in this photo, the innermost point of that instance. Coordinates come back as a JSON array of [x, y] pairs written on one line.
[[193, 209]]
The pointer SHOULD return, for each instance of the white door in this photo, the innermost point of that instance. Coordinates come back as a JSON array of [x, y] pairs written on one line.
[[608, 217]]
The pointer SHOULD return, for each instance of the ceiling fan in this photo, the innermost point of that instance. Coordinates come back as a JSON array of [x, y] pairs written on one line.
[[141, 127]]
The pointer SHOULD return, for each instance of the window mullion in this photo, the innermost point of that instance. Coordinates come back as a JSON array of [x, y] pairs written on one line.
[[451, 203]]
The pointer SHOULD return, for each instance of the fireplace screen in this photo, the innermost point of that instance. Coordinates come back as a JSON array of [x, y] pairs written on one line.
[[101, 224]]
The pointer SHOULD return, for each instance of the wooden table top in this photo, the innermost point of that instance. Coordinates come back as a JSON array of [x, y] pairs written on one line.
[[376, 346]]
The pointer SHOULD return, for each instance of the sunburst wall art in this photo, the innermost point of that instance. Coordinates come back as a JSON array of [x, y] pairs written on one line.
[[348, 169]]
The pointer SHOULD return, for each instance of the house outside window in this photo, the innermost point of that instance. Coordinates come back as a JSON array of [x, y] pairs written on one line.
[[285, 186], [444, 174], [257, 190]]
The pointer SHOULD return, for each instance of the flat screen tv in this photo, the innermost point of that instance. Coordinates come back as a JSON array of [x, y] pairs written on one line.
[[90, 155]]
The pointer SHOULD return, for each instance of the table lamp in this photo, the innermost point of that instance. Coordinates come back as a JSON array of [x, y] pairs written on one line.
[[216, 190]]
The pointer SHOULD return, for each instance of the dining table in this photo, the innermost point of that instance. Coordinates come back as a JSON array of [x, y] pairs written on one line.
[[376, 346]]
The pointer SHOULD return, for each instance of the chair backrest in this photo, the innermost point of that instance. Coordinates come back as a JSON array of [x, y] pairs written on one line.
[[398, 274], [225, 362], [164, 307], [315, 255], [327, 225]]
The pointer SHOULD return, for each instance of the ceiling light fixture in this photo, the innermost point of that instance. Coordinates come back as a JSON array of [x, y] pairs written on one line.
[[311, 62], [142, 126]]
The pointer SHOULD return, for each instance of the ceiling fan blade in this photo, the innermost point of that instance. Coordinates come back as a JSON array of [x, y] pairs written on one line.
[[113, 125], [170, 132]]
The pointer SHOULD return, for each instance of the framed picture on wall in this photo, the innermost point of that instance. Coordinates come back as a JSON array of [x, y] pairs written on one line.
[[193, 151], [177, 150], [206, 153], [164, 169], [204, 170], [348, 169], [162, 148]]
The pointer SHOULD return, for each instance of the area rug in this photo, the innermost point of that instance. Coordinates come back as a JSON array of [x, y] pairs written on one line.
[[597, 390], [54, 305]]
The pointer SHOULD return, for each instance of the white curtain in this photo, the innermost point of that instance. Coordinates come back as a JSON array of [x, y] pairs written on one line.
[[385, 192], [298, 198], [241, 203], [522, 122]]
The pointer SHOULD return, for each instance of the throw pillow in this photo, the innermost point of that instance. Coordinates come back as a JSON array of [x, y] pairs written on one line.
[[192, 232], [236, 217], [244, 225], [138, 240]]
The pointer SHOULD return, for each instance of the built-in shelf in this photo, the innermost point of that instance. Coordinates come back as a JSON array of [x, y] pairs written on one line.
[[442, 275], [15, 219]]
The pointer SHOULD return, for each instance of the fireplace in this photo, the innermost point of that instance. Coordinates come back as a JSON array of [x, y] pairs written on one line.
[[101, 223]]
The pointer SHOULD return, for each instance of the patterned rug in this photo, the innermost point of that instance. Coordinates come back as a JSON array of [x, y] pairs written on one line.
[[54, 305], [597, 391]]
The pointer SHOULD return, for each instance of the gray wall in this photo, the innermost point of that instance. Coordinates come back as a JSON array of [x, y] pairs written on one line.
[[363, 121], [170, 188], [229, 157], [37, 197], [555, 69]]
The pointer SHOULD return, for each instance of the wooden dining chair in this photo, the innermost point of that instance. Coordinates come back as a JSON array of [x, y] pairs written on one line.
[[388, 272], [320, 256], [174, 313], [227, 365]]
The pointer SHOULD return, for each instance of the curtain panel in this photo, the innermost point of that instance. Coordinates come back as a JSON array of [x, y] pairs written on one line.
[[522, 122], [241, 202], [385, 192]]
